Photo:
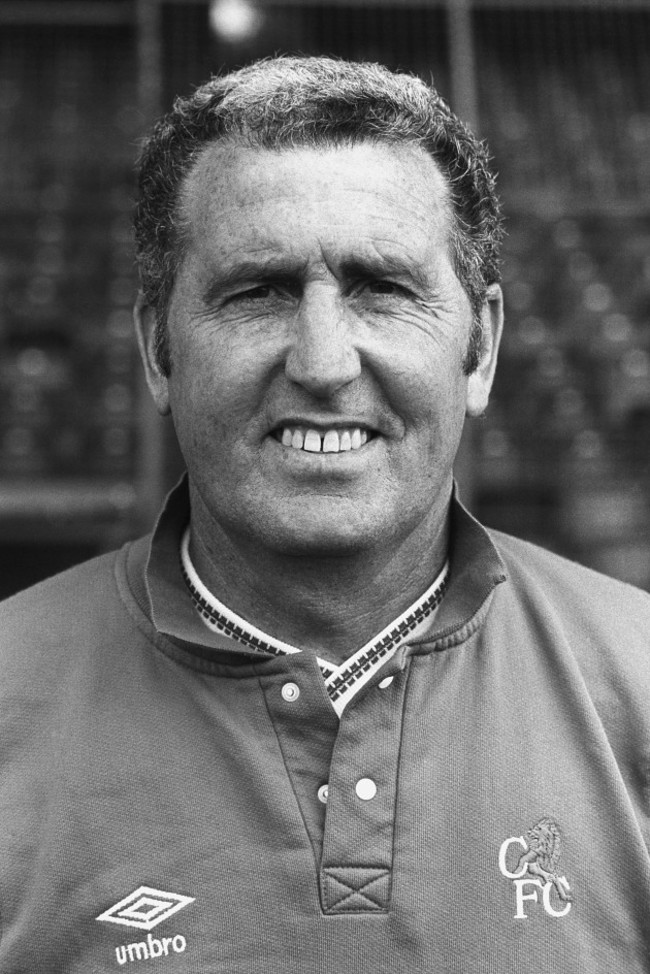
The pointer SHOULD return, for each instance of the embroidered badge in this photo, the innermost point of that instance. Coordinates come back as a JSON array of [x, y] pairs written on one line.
[[145, 908], [531, 861]]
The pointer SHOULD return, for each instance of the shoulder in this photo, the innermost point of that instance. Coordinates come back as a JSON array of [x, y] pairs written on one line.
[[605, 622], [48, 597], [567, 582], [59, 617]]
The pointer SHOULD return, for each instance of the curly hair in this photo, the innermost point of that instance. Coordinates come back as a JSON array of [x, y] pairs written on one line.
[[286, 102]]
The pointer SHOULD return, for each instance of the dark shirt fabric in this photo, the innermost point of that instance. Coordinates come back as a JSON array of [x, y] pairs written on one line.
[[159, 793]]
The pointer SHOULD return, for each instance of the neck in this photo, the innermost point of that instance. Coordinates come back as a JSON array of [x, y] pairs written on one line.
[[329, 605]]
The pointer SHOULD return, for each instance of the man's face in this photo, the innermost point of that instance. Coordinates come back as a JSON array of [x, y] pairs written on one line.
[[317, 333]]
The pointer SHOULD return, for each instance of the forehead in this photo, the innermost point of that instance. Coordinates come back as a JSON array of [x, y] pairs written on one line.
[[333, 198]]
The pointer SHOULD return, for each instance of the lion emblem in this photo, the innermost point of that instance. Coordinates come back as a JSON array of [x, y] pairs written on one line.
[[542, 857]]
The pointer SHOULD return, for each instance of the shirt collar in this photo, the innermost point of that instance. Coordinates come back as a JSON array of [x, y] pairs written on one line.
[[475, 569], [342, 681]]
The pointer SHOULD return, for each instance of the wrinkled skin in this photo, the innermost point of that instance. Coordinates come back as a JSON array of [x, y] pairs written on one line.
[[318, 291]]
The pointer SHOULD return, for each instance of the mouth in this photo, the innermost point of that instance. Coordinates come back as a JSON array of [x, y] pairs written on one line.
[[335, 440]]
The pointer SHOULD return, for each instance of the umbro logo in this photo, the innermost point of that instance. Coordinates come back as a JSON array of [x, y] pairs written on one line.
[[145, 908]]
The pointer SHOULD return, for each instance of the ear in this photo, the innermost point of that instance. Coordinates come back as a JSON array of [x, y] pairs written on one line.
[[144, 318], [480, 381]]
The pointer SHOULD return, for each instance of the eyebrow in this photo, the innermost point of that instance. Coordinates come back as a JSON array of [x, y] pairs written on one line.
[[377, 267], [266, 270], [280, 269]]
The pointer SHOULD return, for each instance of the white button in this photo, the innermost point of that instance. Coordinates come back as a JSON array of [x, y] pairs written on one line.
[[386, 682], [291, 691], [323, 792], [366, 789]]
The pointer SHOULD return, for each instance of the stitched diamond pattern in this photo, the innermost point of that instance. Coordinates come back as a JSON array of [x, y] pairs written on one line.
[[356, 889]]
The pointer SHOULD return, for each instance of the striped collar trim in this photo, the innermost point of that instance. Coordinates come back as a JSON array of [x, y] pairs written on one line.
[[342, 682]]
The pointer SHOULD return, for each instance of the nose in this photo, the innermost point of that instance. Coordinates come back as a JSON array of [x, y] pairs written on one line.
[[323, 357]]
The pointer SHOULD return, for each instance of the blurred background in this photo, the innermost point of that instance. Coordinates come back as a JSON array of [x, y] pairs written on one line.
[[561, 91]]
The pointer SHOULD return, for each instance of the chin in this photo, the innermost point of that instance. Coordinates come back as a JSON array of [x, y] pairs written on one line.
[[306, 536], [320, 544], [324, 548]]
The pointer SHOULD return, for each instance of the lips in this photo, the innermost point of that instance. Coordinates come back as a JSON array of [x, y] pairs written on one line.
[[333, 440]]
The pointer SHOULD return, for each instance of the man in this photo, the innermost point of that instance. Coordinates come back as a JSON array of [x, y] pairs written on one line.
[[323, 721]]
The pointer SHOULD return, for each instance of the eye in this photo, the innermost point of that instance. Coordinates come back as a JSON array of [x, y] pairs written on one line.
[[387, 289], [269, 292], [259, 293]]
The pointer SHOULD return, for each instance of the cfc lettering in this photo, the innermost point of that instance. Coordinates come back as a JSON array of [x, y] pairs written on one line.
[[524, 866], [520, 884], [546, 888], [548, 906], [503, 852]]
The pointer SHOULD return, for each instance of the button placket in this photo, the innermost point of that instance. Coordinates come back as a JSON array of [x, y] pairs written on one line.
[[306, 727], [358, 844]]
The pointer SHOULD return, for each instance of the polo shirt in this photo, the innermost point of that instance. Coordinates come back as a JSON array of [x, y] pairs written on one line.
[[161, 794]]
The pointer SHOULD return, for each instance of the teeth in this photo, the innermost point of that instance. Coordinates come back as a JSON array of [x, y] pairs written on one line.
[[312, 441], [333, 441]]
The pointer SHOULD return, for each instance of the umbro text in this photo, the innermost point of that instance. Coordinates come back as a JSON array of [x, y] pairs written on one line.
[[149, 948]]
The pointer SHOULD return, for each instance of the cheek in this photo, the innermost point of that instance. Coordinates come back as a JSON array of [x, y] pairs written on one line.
[[420, 358], [426, 391], [217, 380]]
